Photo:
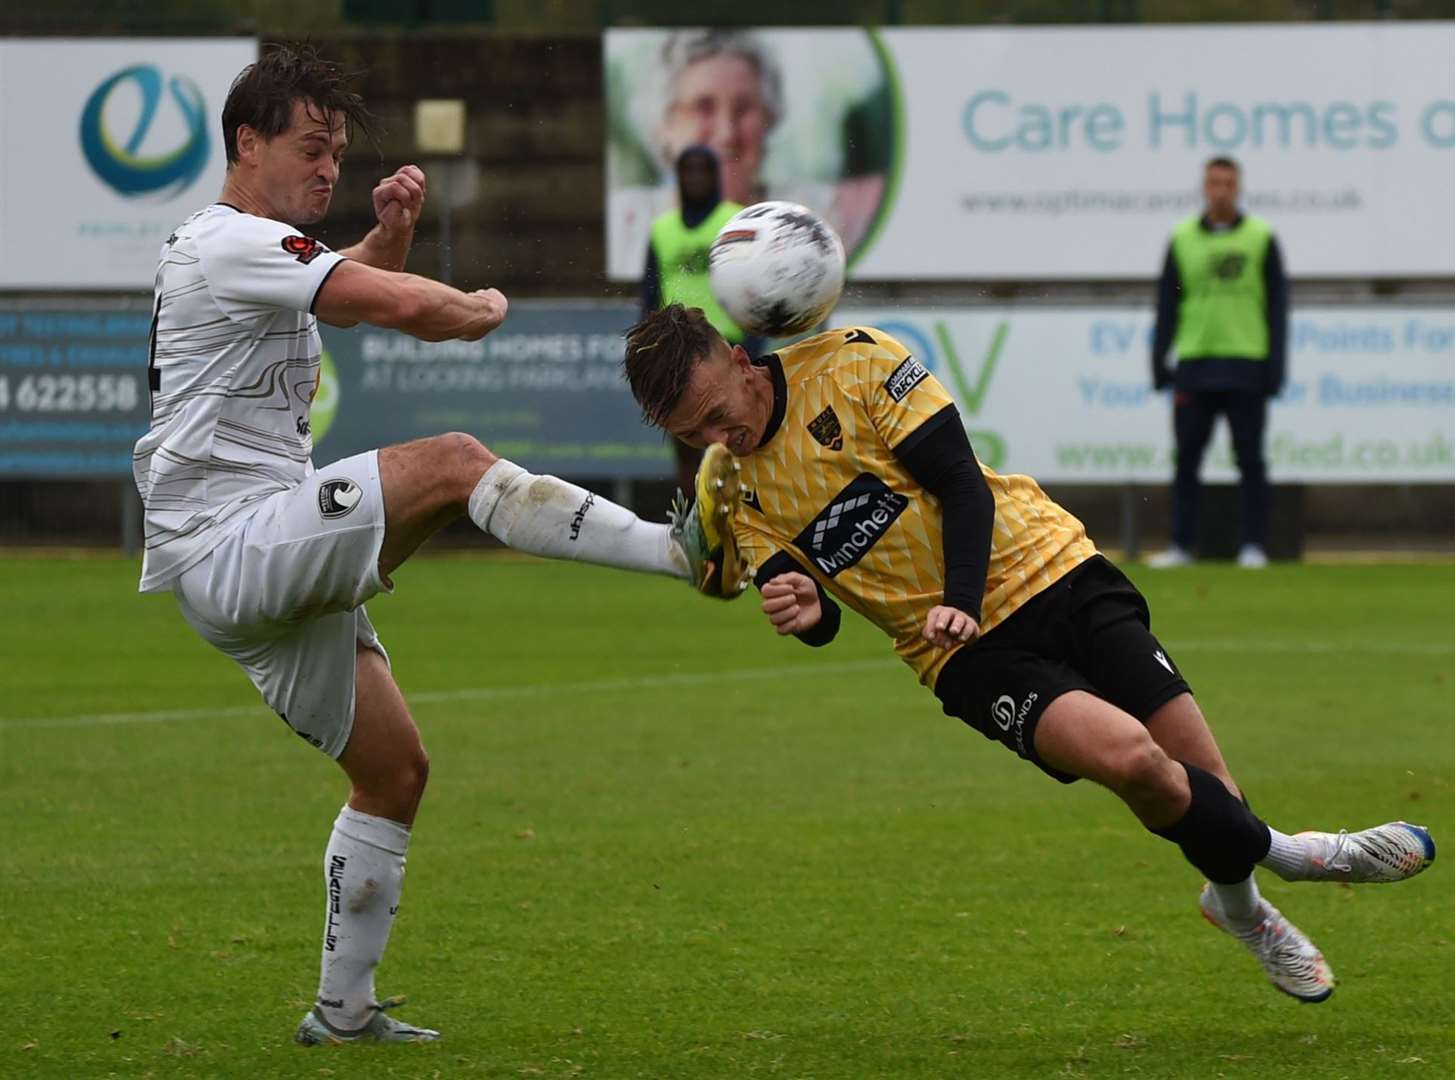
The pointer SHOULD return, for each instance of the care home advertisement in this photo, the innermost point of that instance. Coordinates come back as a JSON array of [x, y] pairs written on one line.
[[970, 153]]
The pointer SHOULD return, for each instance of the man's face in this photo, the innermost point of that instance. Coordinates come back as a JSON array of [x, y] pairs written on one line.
[[1220, 191], [697, 177], [720, 404], [717, 102], [296, 170]]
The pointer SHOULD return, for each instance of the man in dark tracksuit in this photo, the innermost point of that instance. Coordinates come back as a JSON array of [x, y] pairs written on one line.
[[1223, 303]]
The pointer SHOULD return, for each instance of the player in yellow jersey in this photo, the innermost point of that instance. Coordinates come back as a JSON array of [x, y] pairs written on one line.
[[859, 485]]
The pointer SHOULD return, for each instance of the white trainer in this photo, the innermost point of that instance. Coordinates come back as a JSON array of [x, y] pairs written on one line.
[[1292, 962], [1384, 853], [314, 1030], [1170, 559], [1252, 557]]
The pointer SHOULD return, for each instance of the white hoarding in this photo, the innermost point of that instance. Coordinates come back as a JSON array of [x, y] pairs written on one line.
[[1066, 396], [956, 153], [105, 146]]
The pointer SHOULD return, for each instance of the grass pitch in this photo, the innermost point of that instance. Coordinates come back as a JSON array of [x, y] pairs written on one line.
[[660, 842]]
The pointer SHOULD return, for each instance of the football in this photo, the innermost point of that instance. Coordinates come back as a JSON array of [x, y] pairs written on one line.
[[777, 268]]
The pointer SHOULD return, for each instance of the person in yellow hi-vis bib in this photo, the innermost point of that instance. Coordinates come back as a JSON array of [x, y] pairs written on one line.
[[676, 271], [1222, 306]]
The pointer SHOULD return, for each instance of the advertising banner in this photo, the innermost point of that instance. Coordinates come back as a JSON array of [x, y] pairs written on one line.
[[1063, 394], [1050, 153], [73, 391], [545, 390], [106, 145], [1066, 394]]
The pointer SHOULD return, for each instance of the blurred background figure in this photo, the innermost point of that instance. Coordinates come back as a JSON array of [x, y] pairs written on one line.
[[676, 270], [807, 120], [726, 94], [726, 91], [1222, 303]]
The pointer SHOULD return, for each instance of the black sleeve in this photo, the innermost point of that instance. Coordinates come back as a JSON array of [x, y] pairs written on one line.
[[939, 457], [827, 627], [1275, 287], [651, 284], [1169, 295]]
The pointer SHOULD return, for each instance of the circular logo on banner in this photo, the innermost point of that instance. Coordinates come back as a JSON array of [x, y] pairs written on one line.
[[115, 125], [325, 398]]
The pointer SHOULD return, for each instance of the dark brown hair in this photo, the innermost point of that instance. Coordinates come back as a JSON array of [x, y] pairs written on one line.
[[661, 352], [1221, 162], [262, 96]]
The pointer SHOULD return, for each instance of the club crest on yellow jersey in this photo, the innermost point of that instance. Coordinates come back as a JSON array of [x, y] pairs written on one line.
[[826, 430]]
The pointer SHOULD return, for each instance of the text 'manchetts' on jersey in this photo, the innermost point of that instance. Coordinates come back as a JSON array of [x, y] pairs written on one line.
[[234, 367], [827, 489]]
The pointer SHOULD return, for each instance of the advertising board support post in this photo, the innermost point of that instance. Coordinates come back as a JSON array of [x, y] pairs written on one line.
[[1131, 538], [131, 528], [439, 130]]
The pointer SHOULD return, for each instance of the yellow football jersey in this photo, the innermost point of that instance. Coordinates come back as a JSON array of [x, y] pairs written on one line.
[[826, 489]]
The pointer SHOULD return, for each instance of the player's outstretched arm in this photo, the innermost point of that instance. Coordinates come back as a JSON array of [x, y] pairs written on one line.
[[941, 460], [420, 307], [398, 202]]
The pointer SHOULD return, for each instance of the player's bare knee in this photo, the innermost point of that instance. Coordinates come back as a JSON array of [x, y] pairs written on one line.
[[465, 459], [416, 773], [471, 454], [395, 792], [1144, 774], [408, 777]]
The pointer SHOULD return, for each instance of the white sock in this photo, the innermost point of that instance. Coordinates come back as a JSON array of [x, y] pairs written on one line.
[[363, 871], [1288, 856], [1240, 902], [547, 516]]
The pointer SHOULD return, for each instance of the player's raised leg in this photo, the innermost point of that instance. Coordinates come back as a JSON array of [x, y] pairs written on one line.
[[1187, 804], [1391, 852], [363, 865], [430, 482]]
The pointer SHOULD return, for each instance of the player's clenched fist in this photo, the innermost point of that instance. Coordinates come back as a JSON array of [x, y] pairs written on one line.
[[791, 603], [493, 307], [398, 199]]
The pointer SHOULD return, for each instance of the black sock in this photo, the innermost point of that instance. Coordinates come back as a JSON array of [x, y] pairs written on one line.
[[1218, 834]]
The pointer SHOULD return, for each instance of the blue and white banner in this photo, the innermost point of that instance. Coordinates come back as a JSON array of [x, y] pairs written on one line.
[[545, 390], [1066, 394], [1063, 394], [73, 390], [106, 145]]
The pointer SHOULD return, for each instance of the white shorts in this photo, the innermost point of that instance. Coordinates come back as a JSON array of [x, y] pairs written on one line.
[[282, 594]]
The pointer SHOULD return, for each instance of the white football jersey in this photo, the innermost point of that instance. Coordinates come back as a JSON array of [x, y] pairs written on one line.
[[234, 367]]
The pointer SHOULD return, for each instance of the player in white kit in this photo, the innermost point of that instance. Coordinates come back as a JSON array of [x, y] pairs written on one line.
[[270, 560]]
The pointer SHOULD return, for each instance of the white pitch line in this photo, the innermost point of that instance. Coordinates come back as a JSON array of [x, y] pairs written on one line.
[[698, 678], [483, 693], [1319, 648]]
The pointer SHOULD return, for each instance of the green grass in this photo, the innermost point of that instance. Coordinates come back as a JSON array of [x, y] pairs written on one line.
[[660, 842]]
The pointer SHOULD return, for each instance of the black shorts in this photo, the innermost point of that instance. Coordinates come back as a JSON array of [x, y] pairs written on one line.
[[1089, 631]]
